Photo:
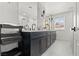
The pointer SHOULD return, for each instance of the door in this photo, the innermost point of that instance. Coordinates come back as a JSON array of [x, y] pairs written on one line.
[[76, 34]]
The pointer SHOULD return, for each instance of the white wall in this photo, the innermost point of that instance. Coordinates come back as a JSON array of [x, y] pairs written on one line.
[[66, 34], [29, 8], [28, 11], [8, 13], [40, 19]]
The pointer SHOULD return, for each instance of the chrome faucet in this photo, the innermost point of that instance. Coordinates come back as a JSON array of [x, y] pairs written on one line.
[[33, 26], [26, 27]]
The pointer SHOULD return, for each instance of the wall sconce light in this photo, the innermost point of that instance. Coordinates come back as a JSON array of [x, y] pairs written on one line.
[[43, 13]]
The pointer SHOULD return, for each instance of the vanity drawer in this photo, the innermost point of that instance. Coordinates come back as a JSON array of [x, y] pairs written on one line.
[[37, 34]]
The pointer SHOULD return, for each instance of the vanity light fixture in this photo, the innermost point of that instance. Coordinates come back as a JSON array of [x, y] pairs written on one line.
[[43, 13]]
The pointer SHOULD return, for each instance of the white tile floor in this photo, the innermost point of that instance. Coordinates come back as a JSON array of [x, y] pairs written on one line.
[[60, 48]]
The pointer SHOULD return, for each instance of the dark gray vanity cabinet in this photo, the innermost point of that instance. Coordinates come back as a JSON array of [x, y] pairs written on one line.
[[48, 39], [35, 47], [25, 44], [53, 36], [36, 43], [43, 44]]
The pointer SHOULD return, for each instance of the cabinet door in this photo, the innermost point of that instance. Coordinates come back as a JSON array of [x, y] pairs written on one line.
[[48, 41], [43, 45], [53, 37], [35, 47], [25, 43]]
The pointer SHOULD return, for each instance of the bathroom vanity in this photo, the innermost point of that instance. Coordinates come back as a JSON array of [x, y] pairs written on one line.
[[36, 43], [15, 42]]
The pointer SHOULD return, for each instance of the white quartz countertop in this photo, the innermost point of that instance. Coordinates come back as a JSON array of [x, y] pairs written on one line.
[[36, 30]]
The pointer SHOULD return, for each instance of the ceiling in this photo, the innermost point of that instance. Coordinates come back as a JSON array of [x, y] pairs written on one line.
[[58, 7]]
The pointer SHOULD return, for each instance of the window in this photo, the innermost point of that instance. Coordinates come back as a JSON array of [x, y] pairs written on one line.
[[59, 23]]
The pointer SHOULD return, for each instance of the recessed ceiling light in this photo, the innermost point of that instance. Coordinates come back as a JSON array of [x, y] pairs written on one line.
[[30, 6], [9, 2]]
